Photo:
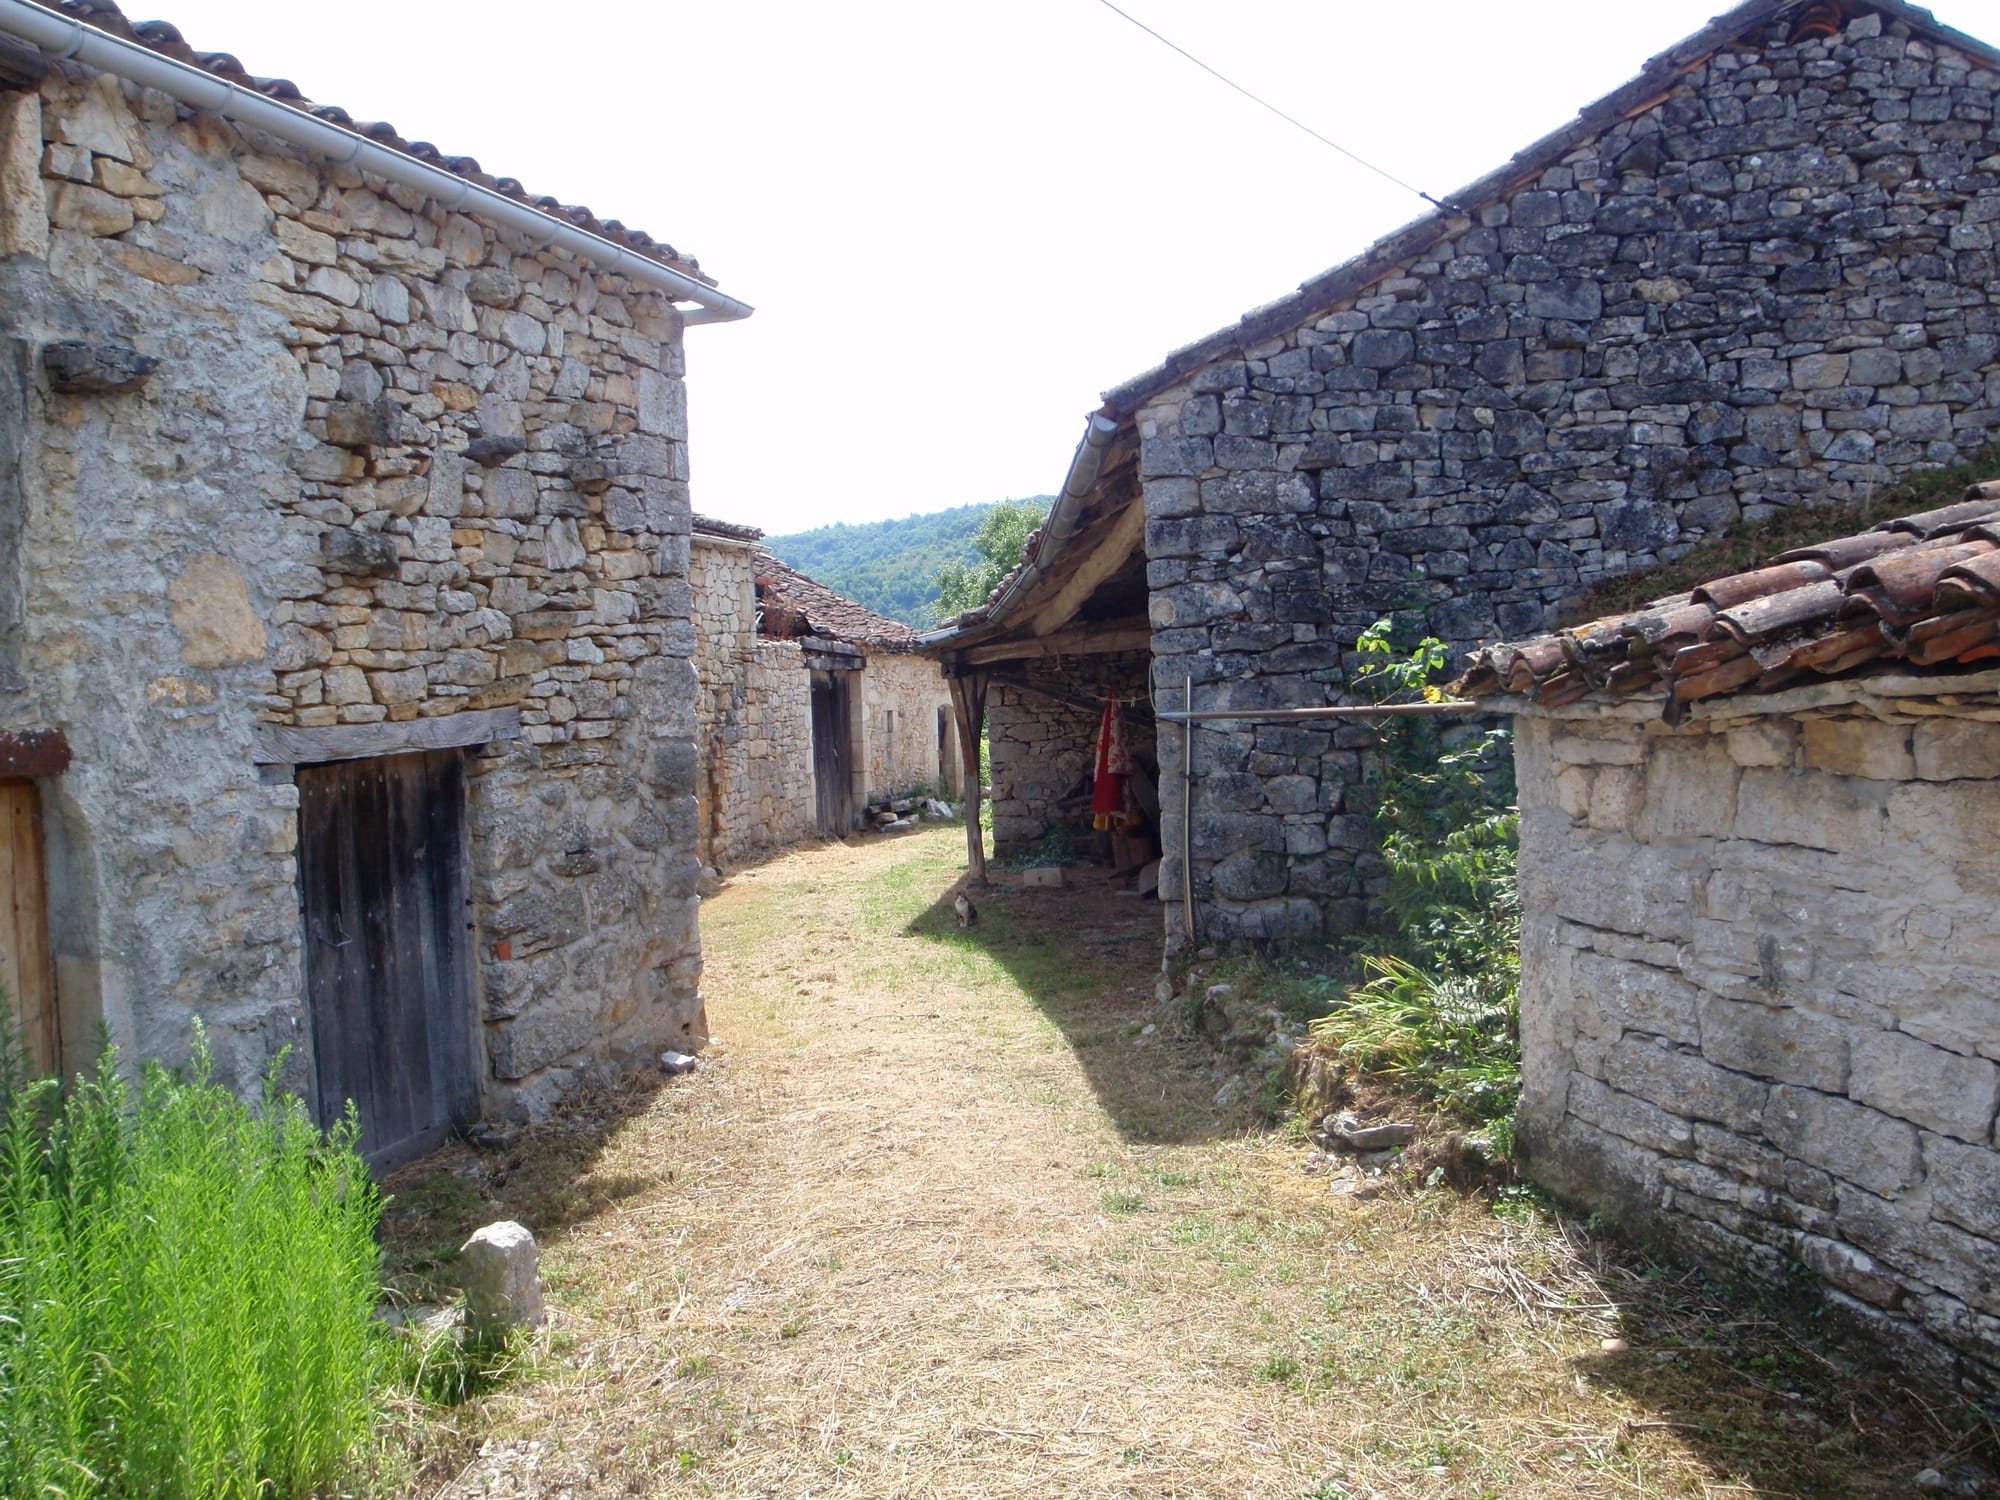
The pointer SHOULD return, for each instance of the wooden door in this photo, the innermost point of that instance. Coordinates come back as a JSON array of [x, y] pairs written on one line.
[[832, 761], [26, 973], [383, 887]]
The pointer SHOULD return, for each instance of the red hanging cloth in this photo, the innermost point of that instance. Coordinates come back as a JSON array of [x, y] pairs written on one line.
[[1108, 806]]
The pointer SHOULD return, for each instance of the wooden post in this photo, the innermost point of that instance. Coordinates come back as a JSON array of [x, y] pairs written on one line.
[[968, 702]]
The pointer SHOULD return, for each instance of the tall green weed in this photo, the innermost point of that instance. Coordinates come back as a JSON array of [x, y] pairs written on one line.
[[187, 1289], [1439, 1009]]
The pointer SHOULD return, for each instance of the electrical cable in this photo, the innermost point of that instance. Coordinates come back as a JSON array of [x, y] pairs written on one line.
[[1444, 205]]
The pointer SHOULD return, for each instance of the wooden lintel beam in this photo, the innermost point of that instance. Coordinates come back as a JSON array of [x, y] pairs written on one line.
[[22, 64], [283, 745], [28, 753], [1078, 640]]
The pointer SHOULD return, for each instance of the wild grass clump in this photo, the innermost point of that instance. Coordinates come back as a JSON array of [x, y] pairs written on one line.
[[1438, 1010], [187, 1289]]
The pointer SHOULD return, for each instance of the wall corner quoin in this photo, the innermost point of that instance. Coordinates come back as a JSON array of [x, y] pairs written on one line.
[[24, 216]]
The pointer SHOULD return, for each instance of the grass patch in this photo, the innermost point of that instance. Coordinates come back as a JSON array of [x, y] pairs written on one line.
[[187, 1290], [1277, 1367], [1799, 526]]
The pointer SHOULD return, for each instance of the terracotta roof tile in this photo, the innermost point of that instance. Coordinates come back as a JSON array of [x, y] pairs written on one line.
[[165, 39], [813, 609], [1922, 590]]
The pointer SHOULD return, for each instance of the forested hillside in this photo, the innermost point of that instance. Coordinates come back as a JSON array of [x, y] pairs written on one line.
[[890, 566]]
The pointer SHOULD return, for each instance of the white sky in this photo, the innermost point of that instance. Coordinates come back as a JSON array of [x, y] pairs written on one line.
[[958, 222]]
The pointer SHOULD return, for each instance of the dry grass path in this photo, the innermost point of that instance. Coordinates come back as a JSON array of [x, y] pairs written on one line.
[[933, 1221]]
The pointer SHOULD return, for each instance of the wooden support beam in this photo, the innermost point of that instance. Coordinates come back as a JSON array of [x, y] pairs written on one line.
[[1135, 709], [1103, 560], [282, 745], [1078, 640], [22, 64], [28, 753], [968, 702], [1298, 715]]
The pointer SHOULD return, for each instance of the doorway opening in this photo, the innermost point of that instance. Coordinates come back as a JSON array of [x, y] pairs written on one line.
[[833, 755], [383, 887]]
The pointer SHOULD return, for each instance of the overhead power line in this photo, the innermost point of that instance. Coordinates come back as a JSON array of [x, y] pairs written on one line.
[[1440, 203]]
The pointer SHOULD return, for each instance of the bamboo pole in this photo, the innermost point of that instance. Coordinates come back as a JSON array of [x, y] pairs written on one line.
[[1288, 715]]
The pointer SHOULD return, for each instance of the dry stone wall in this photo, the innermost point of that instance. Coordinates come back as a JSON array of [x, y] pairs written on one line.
[[902, 695], [1772, 289], [755, 714], [1758, 968], [388, 465], [1043, 747]]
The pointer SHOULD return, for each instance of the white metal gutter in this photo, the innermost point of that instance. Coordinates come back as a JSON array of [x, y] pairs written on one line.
[[1083, 471], [59, 36]]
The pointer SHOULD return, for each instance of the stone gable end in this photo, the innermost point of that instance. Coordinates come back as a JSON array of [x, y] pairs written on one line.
[[388, 466], [1769, 288]]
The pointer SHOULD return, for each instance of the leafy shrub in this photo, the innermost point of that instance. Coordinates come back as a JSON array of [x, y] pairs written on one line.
[[187, 1289], [1439, 1009]]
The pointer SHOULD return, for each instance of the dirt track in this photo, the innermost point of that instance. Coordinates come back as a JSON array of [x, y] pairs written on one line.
[[932, 1220]]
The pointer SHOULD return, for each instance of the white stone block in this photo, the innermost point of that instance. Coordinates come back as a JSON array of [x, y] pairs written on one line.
[[1940, 1090], [503, 1287], [1690, 790], [1860, 747], [1811, 808], [1764, 742], [1626, 749], [24, 213], [1956, 749], [1616, 795], [1854, 1143], [1573, 791]]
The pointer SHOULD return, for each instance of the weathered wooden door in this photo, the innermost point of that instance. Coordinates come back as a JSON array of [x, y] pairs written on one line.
[[26, 973], [382, 882], [831, 758]]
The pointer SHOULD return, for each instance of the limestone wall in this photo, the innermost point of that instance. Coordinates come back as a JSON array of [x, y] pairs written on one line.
[[1044, 747], [755, 713], [1773, 288], [391, 465], [901, 696], [1757, 1015]]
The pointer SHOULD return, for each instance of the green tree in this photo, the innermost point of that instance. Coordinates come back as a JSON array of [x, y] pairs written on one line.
[[1003, 536]]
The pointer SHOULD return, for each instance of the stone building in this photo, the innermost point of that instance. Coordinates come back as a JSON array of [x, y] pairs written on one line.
[[1758, 276], [754, 718], [1759, 953], [812, 706], [345, 681]]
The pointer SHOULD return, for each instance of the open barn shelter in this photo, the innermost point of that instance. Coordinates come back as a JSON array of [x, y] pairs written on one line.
[[1756, 278], [1032, 669]]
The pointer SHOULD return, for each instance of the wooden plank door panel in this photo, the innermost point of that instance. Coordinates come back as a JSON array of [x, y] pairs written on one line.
[[829, 723], [27, 970], [383, 890]]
